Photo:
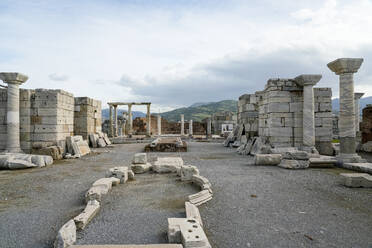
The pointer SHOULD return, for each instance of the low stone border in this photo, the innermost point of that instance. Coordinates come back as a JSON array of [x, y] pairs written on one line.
[[186, 231]]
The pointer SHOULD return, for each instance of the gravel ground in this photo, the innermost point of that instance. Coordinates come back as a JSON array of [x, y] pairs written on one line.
[[253, 206]]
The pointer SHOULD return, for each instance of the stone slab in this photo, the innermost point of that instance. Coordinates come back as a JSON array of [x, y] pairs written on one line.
[[356, 180], [139, 158], [91, 210], [192, 211], [294, 164], [322, 162], [361, 167], [66, 235], [140, 168], [267, 159], [188, 171], [119, 172]]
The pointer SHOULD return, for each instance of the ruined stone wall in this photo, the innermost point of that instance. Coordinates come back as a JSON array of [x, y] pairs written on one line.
[[221, 118], [366, 125], [276, 114], [46, 118], [87, 116]]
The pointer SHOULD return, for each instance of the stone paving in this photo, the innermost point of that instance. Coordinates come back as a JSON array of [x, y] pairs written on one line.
[[252, 206]]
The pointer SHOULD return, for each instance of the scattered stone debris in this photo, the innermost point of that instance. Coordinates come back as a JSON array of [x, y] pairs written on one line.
[[267, 159], [139, 163], [167, 164], [167, 144], [87, 215], [66, 235], [13, 161]]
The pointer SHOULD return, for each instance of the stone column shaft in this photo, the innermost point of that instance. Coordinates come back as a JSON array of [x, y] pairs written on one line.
[[148, 124], [13, 80], [159, 124], [111, 128], [116, 120], [308, 117], [357, 97], [209, 128], [130, 119], [182, 125], [190, 128]]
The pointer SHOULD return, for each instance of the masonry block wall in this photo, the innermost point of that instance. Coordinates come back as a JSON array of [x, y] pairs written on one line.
[[46, 118], [87, 116], [366, 125], [220, 118], [276, 113]]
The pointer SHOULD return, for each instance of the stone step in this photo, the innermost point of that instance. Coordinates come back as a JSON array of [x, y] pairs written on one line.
[[361, 167], [129, 246], [322, 162], [200, 197], [357, 180]]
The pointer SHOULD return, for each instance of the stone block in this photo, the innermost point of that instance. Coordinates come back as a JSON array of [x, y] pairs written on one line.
[[167, 164], [325, 107], [66, 235], [201, 181], [296, 107], [278, 107], [139, 158], [101, 142], [296, 155], [93, 140], [367, 147], [91, 210], [281, 131], [187, 172], [267, 159], [56, 152], [356, 180], [322, 162], [140, 168], [96, 193], [294, 164], [119, 172], [200, 197], [361, 167], [192, 211]]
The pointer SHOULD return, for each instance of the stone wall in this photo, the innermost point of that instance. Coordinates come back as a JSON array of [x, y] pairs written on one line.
[[366, 125], [276, 114], [46, 118], [87, 116], [222, 118]]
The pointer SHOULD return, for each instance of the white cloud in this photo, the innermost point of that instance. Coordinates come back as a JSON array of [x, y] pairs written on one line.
[[177, 54]]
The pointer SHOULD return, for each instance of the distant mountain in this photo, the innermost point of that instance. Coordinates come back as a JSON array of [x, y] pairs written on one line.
[[198, 104], [106, 113], [363, 102], [199, 111]]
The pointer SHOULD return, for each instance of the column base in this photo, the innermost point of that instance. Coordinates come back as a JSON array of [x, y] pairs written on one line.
[[313, 152], [349, 158]]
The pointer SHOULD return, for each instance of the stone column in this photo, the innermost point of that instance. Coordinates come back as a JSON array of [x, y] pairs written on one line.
[[182, 125], [159, 124], [345, 68], [116, 120], [111, 128], [308, 121], [357, 97], [209, 128], [148, 124], [130, 119], [190, 128], [13, 80]]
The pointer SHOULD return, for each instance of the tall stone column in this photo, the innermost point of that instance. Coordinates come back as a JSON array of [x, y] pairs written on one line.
[[308, 125], [182, 125], [357, 97], [148, 124], [130, 119], [209, 128], [190, 128], [345, 68], [111, 128], [13, 80], [159, 124], [116, 126]]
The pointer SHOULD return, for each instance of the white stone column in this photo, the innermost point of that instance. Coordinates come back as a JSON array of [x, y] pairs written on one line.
[[209, 128], [130, 119], [148, 124], [345, 68], [13, 80], [357, 97], [159, 124], [116, 126], [182, 125], [190, 128], [111, 128], [308, 119]]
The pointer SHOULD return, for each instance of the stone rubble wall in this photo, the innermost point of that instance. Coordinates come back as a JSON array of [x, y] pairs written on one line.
[[366, 125], [87, 116], [276, 114], [46, 118]]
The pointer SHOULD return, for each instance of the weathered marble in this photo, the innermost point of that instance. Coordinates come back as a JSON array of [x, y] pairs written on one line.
[[308, 81], [111, 122], [148, 123], [182, 124], [209, 128], [190, 128], [115, 121], [345, 68], [13, 79], [357, 97]]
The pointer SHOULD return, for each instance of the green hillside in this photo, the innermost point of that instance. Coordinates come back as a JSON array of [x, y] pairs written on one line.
[[198, 113]]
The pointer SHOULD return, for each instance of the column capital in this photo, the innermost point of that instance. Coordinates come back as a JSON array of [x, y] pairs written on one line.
[[345, 65], [358, 95], [308, 79], [13, 77]]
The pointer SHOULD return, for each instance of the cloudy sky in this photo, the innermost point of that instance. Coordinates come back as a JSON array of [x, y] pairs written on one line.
[[177, 52]]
